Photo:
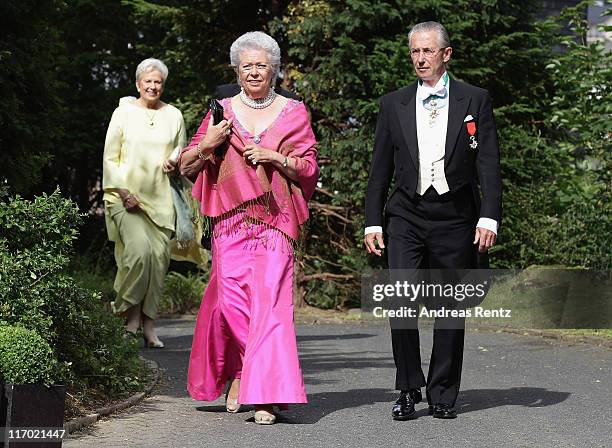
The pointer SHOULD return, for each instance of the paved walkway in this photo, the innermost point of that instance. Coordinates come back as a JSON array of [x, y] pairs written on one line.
[[517, 391]]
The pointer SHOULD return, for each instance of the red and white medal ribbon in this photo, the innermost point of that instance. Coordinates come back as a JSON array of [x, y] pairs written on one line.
[[471, 128]]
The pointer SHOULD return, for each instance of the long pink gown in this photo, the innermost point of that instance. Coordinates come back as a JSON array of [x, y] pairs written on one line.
[[245, 325]]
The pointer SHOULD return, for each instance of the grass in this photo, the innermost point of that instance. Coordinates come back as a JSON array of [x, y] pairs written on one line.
[[602, 333], [568, 300]]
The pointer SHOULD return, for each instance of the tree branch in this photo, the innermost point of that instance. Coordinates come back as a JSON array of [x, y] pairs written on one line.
[[326, 276]]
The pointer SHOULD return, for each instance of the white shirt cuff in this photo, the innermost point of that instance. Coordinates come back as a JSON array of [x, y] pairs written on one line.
[[373, 229], [488, 223]]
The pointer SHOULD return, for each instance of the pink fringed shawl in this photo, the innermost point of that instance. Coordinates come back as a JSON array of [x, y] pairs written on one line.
[[232, 187]]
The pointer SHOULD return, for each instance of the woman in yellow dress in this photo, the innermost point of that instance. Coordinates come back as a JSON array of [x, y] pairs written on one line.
[[143, 140]]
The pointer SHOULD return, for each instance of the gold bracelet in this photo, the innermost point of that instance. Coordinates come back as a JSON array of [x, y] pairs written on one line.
[[201, 155]]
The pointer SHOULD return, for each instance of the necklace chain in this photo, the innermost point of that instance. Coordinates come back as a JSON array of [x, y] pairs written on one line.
[[151, 117], [260, 103]]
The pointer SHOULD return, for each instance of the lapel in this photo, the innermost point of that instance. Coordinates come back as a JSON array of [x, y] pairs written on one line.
[[406, 112], [457, 107]]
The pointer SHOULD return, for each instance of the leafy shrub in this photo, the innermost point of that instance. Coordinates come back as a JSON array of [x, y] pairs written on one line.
[[25, 357], [35, 292], [94, 274], [182, 293]]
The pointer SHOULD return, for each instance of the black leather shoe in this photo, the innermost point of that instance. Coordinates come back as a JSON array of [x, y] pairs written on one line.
[[403, 409], [442, 411]]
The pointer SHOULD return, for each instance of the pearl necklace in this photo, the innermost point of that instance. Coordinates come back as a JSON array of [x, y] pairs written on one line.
[[260, 103]]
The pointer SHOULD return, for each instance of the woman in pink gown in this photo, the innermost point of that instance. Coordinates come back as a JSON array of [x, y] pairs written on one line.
[[255, 197]]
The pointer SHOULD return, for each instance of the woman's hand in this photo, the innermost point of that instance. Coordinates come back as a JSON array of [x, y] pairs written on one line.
[[130, 202], [193, 160], [169, 166], [254, 155], [216, 134]]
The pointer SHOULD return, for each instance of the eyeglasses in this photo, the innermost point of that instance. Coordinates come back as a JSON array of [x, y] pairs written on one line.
[[260, 67], [427, 52]]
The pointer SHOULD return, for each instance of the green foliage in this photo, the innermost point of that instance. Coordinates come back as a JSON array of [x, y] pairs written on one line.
[[344, 55], [99, 40], [194, 40], [30, 51], [581, 105], [35, 241], [48, 223], [95, 273], [552, 109], [25, 357], [182, 293], [557, 175], [581, 108]]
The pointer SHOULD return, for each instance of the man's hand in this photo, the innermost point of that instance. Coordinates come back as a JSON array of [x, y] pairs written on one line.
[[484, 238], [370, 241]]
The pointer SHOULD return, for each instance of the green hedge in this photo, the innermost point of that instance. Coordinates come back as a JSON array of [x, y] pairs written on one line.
[[25, 357], [36, 293], [182, 293]]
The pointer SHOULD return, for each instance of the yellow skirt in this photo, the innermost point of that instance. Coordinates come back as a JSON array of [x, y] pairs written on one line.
[[142, 253]]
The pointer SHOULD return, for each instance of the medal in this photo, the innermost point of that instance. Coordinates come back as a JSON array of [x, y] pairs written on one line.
[[436, 100], [471, 128], [433, 113]]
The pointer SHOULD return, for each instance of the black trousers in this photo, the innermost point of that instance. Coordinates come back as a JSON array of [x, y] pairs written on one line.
[[436, 232]]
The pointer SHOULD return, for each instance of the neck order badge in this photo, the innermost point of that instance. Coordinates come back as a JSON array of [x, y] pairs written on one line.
[[435, 98]]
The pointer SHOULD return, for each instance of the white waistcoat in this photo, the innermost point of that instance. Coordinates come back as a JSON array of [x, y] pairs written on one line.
[[431, 136]]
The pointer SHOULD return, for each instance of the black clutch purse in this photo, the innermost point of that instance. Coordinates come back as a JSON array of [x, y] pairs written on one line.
[[216, 110], [216, 113]]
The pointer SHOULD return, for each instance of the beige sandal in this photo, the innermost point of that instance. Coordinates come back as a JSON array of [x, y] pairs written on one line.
[[264, 418], [231, 404]]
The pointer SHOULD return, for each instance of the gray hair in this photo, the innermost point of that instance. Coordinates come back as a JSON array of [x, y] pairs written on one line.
[[149, 65], [257, 40], [443, 39]]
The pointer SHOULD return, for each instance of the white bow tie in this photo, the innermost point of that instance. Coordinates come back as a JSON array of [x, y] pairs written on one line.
[[426, 91]]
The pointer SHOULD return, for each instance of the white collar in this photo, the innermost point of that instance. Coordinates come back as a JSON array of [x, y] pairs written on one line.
[[440, 89]]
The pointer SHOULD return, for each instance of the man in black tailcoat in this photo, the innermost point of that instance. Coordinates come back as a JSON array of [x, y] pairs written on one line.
[[437, 139]]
